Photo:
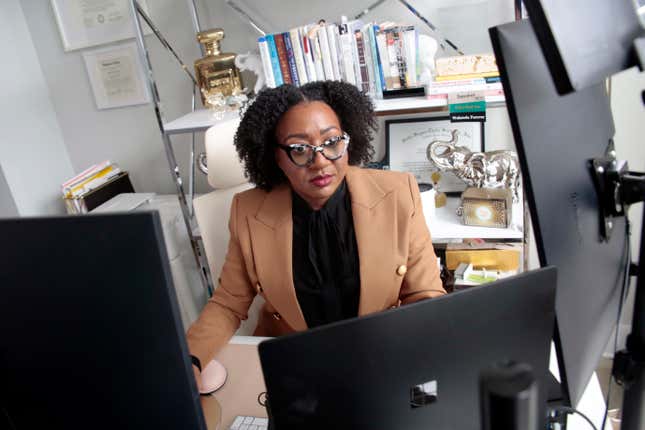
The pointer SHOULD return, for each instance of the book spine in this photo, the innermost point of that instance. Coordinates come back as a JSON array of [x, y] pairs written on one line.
[[275, 62], [325, 53], [282, 58], [293, 70], [438, 89], [332, 38], [466, 76], [265, 56], [345, 42], [369, 61], [360, 49], [400, 58], [296, 43], [308, 54], [410, 44], [384, 61], [394, 82], [378, 75], [317, 55]]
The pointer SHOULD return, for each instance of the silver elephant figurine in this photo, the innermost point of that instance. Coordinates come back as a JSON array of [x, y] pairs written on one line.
[[493, 169]]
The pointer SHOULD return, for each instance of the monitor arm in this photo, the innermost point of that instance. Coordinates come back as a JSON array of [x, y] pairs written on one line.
[[617, 188]]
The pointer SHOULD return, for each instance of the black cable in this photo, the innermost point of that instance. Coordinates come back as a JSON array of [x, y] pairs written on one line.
[[569, 410], [624, 292]]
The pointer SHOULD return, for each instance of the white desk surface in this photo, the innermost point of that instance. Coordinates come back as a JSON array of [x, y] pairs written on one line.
[[239, 394]]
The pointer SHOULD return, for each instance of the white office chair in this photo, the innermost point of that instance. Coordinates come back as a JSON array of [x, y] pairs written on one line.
[[212, 210]]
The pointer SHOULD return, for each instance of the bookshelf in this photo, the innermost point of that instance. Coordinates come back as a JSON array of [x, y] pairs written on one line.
[[445, 226], [202, 119]]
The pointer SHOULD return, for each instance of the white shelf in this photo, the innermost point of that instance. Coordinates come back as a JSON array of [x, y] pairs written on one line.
[[202, 119], [446, 226]]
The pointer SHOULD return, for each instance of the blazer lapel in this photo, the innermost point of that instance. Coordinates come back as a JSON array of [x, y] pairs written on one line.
[[272, 233], [372, 210]]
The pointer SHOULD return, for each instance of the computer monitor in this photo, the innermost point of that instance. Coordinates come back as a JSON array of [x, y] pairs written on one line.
[[598, 45], [366, 373], [555, 137], [90, 332]]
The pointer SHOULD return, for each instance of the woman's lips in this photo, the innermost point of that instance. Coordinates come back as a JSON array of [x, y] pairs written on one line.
[[322, 180]]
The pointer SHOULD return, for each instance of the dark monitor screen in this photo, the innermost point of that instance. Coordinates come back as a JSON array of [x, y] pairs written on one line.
[[584, 41], [90, 333], [372, 372], [555, 137]]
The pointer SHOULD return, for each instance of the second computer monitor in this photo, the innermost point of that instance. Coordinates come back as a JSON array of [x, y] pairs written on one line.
[[556, 136]]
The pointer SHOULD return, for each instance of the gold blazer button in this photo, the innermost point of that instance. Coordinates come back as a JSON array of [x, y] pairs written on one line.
[[401, 270], [258, 288], [277, 316]]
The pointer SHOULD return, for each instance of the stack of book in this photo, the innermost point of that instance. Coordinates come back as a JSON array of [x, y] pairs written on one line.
[[81, 193], [376, 58], [466, 73]]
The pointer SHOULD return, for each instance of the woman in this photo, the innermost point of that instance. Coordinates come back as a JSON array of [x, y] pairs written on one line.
[[321, 239]]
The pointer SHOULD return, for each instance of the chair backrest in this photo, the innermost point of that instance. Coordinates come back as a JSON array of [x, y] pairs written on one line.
[[212, 210]]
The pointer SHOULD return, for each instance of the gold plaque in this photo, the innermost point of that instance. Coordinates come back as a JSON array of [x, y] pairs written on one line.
[[487, 207]]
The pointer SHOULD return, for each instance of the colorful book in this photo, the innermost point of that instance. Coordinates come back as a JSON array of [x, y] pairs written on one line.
[[384, 60], [467, 76], [308, 55], [332, 39], [296, 44], [275, 62], [376, 61], [410, 41], [346, 54], [282, 58], [325, 52], [394, 82], [312, 33], [265, 56], [400, 57], [293, 70], [360, 49]]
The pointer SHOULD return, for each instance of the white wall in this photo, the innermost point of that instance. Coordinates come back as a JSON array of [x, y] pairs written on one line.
[[33, 155], [128, 136]]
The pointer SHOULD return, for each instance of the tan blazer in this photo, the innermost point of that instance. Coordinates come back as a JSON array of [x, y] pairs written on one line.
[[397, 262]]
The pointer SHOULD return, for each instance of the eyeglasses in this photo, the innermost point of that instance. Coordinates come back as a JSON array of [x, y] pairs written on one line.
[[302, 154]]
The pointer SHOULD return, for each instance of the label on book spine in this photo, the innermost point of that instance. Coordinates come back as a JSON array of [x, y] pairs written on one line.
[[291, 59], [282, 58]]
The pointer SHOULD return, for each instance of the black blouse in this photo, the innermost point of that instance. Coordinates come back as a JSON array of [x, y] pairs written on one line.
[[325, 259]]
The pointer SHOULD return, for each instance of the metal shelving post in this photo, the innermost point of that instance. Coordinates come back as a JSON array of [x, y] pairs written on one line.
[[185, 202]]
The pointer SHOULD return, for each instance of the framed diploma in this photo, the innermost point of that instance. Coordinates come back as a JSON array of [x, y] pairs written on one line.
[[85, 23], [407, 142], [116, 76]]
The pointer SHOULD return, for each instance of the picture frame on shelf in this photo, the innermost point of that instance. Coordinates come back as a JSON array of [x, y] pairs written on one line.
[[116, 76], [83, 24], [407, 141]]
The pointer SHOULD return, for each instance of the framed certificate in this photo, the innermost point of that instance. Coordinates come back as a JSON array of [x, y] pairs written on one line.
[[84, 23], [116, 76], [407, 142]]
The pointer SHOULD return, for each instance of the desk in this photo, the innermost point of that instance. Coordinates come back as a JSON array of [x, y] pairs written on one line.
[[239, 394]]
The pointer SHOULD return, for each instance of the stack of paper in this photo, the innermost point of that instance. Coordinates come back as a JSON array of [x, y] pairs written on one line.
[[89, 179]]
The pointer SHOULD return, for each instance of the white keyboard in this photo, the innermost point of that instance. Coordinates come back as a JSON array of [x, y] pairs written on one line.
[[249, 423]]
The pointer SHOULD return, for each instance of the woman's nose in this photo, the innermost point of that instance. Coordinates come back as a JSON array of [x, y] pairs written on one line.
[[319, 160]]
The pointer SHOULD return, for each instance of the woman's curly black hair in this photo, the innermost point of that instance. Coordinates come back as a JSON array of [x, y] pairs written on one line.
[[255, 138]]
